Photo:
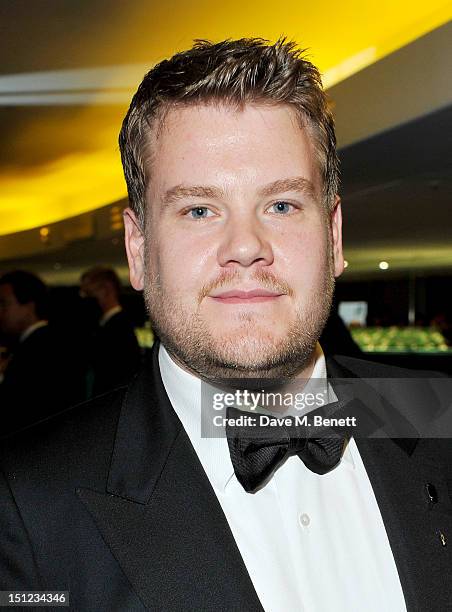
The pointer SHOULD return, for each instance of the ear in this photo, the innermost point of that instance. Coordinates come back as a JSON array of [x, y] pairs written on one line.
[[336, 232], [134, 239]]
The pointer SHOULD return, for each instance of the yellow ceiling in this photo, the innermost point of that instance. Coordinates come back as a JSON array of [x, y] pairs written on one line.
[[343, 37]]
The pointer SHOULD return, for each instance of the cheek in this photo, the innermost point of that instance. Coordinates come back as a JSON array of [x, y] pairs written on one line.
[[303, 256], [182, 265]]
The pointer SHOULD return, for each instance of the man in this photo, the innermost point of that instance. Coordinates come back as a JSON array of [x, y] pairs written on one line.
[[37, 379], [234, 234], [115, 353]]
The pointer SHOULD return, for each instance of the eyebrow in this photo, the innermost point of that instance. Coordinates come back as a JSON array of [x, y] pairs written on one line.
[[179, 192], [298, 183]]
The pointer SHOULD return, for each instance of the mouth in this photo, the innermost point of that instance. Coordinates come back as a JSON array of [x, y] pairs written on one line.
[[246, 297]]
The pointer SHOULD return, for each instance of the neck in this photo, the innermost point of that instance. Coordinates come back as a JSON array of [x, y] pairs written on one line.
[[108, 303], [306, 390], [272, 380]]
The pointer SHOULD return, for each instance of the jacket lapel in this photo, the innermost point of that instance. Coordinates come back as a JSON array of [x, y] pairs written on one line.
[[160, 516], [404, 474]]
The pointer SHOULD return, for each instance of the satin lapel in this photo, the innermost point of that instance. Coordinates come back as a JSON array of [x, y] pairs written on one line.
[[160, 516], [419, 531]]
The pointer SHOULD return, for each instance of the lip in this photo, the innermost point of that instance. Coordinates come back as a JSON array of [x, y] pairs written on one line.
[[236, 296]]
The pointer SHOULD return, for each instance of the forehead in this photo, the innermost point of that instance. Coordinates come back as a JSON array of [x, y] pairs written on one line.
[[214, 144]]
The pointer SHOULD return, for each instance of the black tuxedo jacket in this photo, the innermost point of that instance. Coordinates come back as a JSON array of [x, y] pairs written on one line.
[[110, 502]]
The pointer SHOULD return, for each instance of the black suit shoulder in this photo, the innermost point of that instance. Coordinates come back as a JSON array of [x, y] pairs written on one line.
[[46, 533], [365, 368], [74, 445], [120, 329], [414, 393], [32, 354], [120, 320]]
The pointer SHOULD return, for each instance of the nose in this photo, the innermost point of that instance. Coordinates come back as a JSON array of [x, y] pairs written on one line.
[[244, 243]]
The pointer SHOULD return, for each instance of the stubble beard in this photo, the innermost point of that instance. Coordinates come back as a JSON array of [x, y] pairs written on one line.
[[251, 351]]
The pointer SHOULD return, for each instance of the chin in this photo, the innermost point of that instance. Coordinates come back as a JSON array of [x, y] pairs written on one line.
[[248, 343], [249, 354]]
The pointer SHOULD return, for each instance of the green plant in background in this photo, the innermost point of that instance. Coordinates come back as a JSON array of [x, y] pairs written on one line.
[[400, 339]]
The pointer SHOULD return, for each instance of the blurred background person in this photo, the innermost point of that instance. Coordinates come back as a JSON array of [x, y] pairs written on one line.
[[38, 377], [115, 354]]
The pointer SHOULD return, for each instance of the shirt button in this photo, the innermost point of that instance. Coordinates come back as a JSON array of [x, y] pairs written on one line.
[[304, 520]]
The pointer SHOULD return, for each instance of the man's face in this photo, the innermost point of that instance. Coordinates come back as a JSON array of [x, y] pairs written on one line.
[[239, 257], [90, 289], [14, 317]]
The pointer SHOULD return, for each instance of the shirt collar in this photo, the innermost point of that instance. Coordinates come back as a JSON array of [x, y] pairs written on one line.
[[109, 314], [25, 334], [184, 392]]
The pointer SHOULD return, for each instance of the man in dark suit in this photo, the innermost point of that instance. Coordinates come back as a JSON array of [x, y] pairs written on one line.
[[39, 377], [115, 353], [234, 233]]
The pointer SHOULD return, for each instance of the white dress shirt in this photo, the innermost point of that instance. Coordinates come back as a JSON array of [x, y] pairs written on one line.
[[310, 542]]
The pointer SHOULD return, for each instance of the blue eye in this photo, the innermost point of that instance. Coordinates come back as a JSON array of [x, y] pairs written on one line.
[[281, 207], [200, 212]]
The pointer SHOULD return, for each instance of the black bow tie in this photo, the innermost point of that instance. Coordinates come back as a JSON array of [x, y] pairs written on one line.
[[256, 452]]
